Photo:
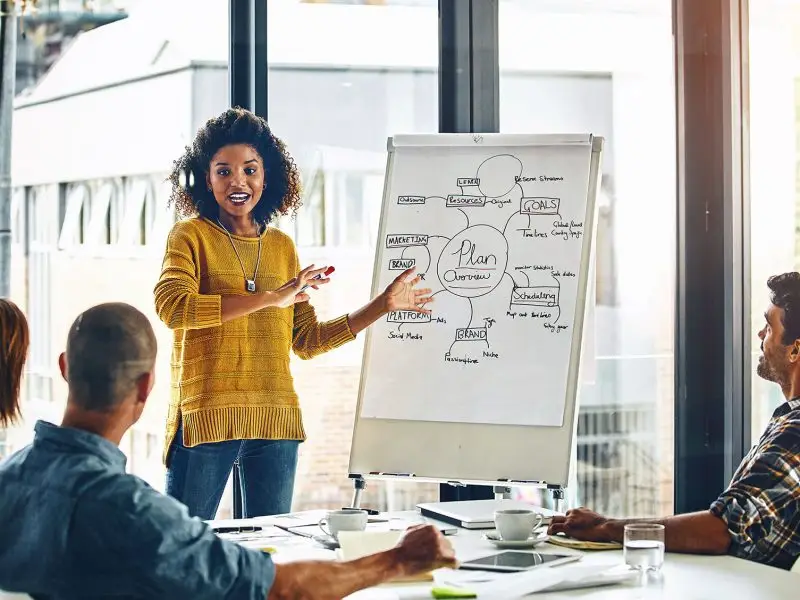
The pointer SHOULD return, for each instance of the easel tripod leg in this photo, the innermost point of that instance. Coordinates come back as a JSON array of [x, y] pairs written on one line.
[[558, 499], [359, 485]]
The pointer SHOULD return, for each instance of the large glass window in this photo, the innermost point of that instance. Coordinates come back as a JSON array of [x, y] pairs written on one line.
[[344, 76], [132, 83], [607, 68], [125, 98], [774, 168]]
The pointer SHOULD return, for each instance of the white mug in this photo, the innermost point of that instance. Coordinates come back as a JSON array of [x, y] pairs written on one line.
[[348, 519], [516, 525]]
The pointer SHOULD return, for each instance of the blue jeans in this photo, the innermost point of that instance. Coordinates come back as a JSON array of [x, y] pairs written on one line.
[[197, 476]]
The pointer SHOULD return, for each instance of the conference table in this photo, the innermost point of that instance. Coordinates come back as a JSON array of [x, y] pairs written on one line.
[[683, 577]]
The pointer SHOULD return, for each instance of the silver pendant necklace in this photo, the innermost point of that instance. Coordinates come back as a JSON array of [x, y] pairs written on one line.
[[249, 284]]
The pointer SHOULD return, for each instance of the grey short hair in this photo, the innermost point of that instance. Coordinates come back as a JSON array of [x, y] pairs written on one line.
[[109, 347]]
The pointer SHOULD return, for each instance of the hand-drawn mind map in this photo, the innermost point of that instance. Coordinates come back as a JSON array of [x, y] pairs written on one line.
[[472, 263]]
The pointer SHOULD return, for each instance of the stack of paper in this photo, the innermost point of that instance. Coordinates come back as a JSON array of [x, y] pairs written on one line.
[[357, 544], [502, 585]]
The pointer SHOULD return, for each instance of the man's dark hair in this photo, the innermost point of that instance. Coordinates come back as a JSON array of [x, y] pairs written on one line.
[[236, 125], [108, 348], [785, 294]]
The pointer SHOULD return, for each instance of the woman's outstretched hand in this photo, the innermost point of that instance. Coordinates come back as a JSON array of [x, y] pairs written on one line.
[[290, 292], [402, 294]]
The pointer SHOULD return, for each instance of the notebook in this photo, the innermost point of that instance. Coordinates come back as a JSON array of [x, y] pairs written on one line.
[[356, 544], [566, 542]]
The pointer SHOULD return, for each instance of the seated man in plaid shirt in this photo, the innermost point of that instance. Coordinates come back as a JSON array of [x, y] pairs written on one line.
[[758, 516]]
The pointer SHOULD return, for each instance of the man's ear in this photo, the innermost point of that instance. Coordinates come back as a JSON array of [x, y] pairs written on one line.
[[62, 365], [794, 354], [144, 385]]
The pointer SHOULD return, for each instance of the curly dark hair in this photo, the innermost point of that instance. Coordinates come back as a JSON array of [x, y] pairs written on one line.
[[235, 126], [785, 294]]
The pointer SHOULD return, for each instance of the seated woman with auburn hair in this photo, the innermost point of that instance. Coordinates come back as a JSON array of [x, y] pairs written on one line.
[[14, 340]]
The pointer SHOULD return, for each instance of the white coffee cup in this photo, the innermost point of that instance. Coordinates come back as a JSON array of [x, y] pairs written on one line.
[[343, 520], [516, 525]]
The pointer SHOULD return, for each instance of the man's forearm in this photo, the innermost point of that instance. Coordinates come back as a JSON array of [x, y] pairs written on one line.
[[697, 533], [321, 580]]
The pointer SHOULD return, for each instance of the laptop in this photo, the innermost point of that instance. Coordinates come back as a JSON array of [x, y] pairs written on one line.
[[477, 514]]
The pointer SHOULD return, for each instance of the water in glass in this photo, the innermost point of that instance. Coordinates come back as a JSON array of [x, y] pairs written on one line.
[[644, 546]]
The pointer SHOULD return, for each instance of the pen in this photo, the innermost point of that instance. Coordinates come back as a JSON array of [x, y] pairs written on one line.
[[294, 531], [369, 511], [328, 271], [245, 529]]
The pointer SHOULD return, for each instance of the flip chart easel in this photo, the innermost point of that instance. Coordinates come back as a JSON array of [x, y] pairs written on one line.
[[483, 390]]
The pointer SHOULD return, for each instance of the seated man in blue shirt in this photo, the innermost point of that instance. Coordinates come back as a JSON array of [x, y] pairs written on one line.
[[73, 524], [758, 516]]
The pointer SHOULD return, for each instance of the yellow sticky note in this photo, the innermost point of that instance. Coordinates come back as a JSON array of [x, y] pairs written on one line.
[[445, 593]]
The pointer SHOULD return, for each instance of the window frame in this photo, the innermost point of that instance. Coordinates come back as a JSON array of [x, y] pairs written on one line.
[[713, 334]]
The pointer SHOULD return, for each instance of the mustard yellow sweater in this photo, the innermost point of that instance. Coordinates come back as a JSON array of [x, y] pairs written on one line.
[[232, 380]]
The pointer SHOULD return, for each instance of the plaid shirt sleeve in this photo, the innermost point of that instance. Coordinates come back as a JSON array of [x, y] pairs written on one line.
[[761, 507]]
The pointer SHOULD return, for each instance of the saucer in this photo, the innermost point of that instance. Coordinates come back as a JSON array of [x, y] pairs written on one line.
[[326, 541], [494, 538]]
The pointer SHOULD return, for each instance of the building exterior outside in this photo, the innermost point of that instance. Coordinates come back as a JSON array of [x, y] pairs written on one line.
[[47, 27], [91, 216]]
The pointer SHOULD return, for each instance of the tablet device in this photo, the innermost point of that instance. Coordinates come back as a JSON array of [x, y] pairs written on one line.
[[513, 561]]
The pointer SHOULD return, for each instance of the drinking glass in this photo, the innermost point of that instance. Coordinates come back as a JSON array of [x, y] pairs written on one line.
[[643, 546]]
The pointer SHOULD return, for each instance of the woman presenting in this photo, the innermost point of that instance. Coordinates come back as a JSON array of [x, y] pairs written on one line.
[[232, 290]]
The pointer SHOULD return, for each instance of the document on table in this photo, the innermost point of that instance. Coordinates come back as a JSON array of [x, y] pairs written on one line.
[[356, 544], [247, 530], [486, 584], [254, 522], [265, 533]]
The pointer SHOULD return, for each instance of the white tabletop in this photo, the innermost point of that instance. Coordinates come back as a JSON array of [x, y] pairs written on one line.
[[683, 577]]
